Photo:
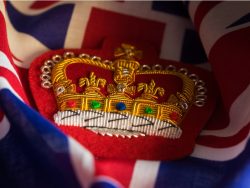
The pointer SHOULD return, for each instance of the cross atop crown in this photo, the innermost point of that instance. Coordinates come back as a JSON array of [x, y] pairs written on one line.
[[128, 51]]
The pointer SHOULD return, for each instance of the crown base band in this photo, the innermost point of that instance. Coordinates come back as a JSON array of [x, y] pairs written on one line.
[[117, 124]]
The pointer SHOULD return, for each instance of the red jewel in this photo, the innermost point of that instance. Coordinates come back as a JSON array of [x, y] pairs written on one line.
[[71, 103], [174, 116]]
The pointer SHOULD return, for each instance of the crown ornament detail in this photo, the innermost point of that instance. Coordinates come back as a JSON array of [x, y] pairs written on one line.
[[120, 105]]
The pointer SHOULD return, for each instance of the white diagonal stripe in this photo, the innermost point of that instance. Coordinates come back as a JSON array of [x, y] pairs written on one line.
[[213, 25], [172, 51], [193, 5], [29, 48], [77, 26], [4, 84], [144, 174], [171, 44], [4, 62], [82, 161], [219, 154]]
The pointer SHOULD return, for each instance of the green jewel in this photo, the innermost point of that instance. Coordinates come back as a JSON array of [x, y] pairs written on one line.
[[148, 110], [95, 104]]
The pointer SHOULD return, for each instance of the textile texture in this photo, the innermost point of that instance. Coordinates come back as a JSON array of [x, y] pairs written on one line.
[[210, 35]]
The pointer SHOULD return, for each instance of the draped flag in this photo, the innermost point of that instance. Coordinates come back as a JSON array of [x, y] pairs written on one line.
[[211, 35]]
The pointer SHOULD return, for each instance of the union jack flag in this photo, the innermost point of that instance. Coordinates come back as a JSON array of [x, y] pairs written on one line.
[[211, 35]]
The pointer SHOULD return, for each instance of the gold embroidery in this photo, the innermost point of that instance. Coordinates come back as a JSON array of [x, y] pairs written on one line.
[[121, 95], [150, 91], [92, 84]]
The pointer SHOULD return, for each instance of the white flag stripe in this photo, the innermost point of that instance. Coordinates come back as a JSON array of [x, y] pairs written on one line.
[[174, 50], [219, 154], [4, 62], [2, 8], [218, 19], [171, 44], [77, 26], [205, 65], [144, 174], [4, 127], [30, 47], [82, 161], [193, 5], [4, 84]]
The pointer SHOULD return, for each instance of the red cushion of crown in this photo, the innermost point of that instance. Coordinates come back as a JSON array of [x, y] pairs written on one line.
[[147, 147]]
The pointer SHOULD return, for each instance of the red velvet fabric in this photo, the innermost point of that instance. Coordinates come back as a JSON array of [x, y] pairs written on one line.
[[148, 147]]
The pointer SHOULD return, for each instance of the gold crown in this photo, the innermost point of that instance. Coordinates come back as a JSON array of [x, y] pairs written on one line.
[[125, 109]]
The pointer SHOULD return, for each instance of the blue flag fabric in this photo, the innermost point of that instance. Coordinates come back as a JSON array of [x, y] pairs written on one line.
[[34, 153]]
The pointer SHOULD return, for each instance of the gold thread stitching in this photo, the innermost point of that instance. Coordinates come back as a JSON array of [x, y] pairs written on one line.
[[125, 71]]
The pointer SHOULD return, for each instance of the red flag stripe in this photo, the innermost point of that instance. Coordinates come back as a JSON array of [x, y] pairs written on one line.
[[202, 10]]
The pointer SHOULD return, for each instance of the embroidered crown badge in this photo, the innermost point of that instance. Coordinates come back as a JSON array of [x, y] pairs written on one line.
[[120, 98]]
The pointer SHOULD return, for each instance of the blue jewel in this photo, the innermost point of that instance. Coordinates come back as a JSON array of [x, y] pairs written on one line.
[[121, 106]]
